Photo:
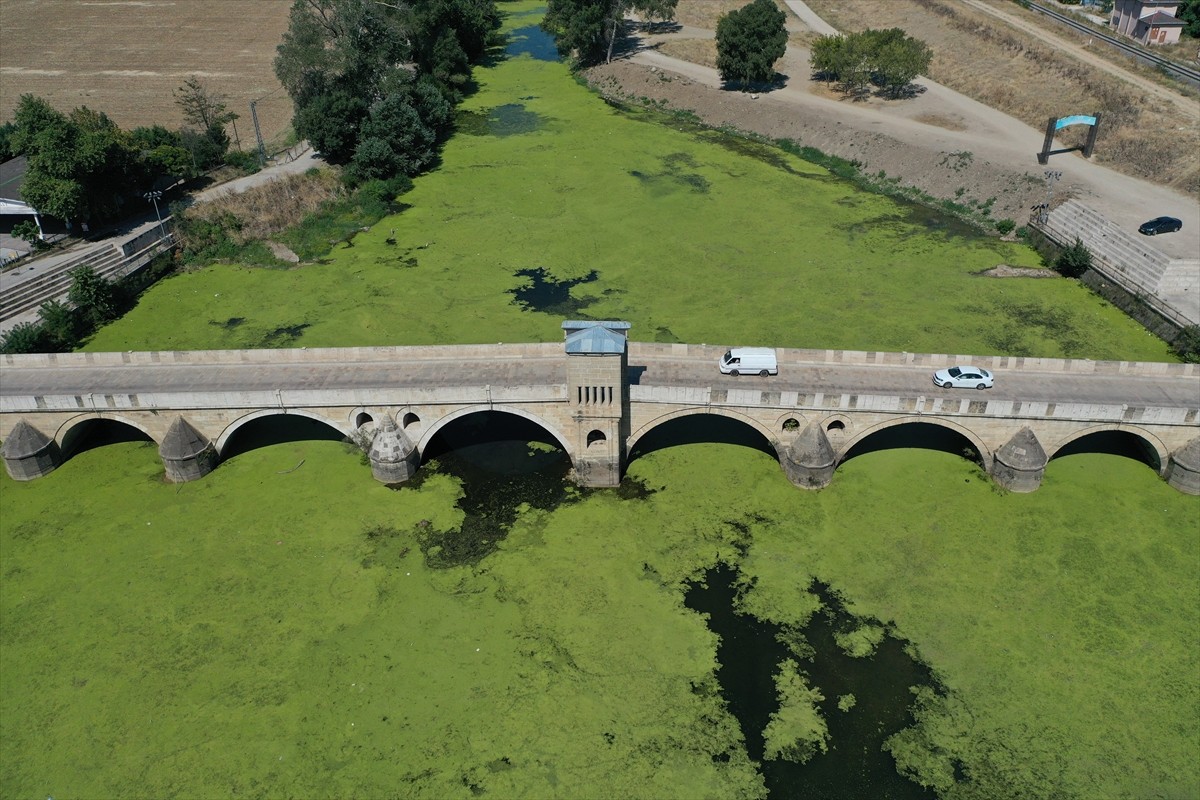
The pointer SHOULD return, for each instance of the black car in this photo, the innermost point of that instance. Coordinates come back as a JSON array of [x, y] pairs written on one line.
[[1160, 225]]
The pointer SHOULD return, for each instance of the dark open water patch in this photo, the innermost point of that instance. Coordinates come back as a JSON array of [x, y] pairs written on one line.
[[509, 119], [531, 40], [543, 293], [750, 654]]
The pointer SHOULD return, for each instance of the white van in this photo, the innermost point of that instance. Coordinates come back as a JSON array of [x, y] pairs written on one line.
[[749, 361]]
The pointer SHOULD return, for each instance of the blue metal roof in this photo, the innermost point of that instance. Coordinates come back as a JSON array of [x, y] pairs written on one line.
[[595, 338]]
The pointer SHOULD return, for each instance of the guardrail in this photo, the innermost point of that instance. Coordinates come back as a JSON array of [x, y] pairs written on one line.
[[1180, 71]]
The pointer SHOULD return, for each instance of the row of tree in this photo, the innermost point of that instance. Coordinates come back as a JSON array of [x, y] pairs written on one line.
[[374, 83], [82, 166], [889, 59]]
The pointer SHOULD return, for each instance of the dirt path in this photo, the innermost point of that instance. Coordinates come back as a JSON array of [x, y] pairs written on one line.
[[940, 141]]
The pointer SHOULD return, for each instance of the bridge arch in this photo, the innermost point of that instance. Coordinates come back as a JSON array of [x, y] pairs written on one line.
[[769, 438], [1153, 452], [985, 453], [441, 422], [345, 429], [68, 431]]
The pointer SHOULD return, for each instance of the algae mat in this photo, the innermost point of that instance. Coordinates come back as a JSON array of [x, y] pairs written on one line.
[[275, 631], [251, 634]]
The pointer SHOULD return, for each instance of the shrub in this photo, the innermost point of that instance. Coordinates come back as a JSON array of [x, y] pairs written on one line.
[[1005, 226], [246, 162], [1187, 344], [1074, 260]]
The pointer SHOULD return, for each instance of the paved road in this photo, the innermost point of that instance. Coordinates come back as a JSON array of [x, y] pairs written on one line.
[[805, 378]]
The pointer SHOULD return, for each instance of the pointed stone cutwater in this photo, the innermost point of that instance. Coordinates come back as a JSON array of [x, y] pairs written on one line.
[[1020, 463], [394, 458], [187, 454], [1183, 468], [810, 460], [28, 453]]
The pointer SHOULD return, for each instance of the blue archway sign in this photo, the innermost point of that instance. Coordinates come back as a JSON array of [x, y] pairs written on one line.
[[1057, 123]]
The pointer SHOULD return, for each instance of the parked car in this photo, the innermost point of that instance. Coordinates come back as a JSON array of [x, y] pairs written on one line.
[[963, 376], [1160, 225]]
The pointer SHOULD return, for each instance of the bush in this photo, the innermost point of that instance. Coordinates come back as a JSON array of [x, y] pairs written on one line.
[[246, 162], [1187, 345], [1005, 226], [24, 337], [1074, 260]]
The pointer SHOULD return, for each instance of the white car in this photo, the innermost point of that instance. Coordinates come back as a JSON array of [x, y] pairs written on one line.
[[963, 376]]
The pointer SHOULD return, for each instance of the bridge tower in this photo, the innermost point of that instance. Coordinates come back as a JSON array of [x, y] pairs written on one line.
[[598, 395]]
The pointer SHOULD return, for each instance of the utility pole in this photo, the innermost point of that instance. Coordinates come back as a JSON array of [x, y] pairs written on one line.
[[262, 151]]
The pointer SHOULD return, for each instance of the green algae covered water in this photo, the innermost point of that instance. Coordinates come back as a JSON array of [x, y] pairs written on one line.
[[288, 627]]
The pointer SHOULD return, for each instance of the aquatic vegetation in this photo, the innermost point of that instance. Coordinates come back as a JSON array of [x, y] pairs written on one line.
[[278, 628]]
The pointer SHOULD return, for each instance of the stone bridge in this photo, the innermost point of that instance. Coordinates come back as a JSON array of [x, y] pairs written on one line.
[[603, 399]]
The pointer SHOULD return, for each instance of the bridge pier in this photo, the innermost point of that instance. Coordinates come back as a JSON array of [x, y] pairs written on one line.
[[1020, 464], [394, 458], [1183, 468], [809, 461], [187, 454], [28, 453]]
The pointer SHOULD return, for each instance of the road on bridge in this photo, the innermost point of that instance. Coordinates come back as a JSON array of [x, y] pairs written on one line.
[[514, 371]]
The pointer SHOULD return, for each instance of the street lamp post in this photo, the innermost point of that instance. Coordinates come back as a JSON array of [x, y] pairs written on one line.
[[153, 197], [1051, 177]]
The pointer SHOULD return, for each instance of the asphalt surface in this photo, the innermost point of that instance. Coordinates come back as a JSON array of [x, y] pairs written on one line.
[[1016, 385]]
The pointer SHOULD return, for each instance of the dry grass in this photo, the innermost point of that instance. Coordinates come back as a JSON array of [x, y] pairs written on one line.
[[695, 51], [1009, 70], [272, 208], [125, 58]]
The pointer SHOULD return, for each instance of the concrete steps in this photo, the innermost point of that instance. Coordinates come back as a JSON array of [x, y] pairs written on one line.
[[55, 283], [1128, 255], [1130, 259]]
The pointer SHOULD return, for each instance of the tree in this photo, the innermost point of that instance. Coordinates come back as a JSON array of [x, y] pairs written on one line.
[[24, 337], [28, 232], [1187, 344], [93, 297], [330, 123], [588, 29], [889, 58], [1189, 12], [80, 166], [205, 116], [60, 326], [1073, 261], [899, 59], [749, 42]]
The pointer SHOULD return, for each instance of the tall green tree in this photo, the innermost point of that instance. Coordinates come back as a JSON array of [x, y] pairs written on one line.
[[94, 297], [205, 115], [749, 42], [80, 166], [588, 29], [380, 76]]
